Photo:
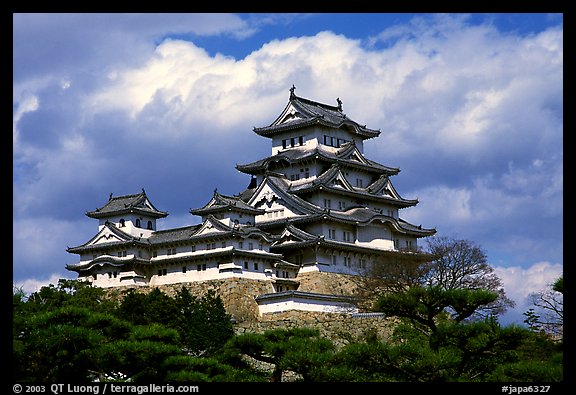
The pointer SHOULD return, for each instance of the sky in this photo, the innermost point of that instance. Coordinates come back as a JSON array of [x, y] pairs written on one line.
[[470, 108]]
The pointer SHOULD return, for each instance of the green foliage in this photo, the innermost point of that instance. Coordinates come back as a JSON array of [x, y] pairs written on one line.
[[426, 305], [69, 293], [56, 345], [185, 368], [141, 360], [300, 350], [72, 333], [202, 323]]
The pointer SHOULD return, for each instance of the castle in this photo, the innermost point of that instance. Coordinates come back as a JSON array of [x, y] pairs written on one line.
[[316, 211]]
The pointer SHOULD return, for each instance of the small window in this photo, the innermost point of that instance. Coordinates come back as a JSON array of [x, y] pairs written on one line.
[[331, 233], [245, 265], [255, 265], [122, 223], [346, 236], [137, 222], [149, 226]]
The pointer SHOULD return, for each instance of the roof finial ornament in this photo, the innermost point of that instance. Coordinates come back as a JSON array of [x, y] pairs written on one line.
[[215, 191], [292, 95], [110, 197], [339, 103]]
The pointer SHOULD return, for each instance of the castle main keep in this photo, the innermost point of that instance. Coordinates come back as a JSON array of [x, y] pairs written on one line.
[[316, 212]]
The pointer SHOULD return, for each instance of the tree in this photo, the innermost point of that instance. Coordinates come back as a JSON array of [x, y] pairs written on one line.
[[425, 307], [461, 264], [551, 305], [202, 322], [73, 333], [300, 350], [76, 344], [448, 264]]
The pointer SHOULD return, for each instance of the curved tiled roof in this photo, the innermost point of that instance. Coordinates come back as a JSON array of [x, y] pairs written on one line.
[[220, 203], [322, 153], [127, 204], [312, 113], [324, 182], [109, 260], [189, 233], [125, 239]]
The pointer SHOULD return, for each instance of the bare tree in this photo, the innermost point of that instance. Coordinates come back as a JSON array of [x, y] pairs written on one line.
[[448, 263], [462, 264], [550, 304]]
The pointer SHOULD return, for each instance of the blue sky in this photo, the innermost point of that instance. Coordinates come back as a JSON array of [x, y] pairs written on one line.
[[470, 108]]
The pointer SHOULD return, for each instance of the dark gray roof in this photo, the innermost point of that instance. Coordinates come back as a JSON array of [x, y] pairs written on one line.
[[313, 113], [126, 239], [107, 260], [189, 233], [127, 204], [280, 185], [220, 203], [324, 181], [322, 153], [304, 295]]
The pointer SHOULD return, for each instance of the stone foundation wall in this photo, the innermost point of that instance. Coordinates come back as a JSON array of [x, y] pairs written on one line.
[[339, 328], [238, 296]]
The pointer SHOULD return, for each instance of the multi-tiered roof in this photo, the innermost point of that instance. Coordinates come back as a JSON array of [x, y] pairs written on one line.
[[315, 205]]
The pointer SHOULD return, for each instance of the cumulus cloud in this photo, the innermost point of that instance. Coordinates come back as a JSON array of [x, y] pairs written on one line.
[[521, 282], [31, 285]]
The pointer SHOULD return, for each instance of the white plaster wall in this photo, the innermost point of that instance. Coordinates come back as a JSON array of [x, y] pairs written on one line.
[[375, 236], [305, 305], [129, 224]]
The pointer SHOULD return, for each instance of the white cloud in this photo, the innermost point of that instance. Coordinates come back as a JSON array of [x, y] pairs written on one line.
[[520, 282], [31, 285], [26, 104]]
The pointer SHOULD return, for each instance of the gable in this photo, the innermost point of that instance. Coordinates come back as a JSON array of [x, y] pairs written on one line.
[[270, 197], [338, 180], [290, 114], [211, 226], [107, 235]]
